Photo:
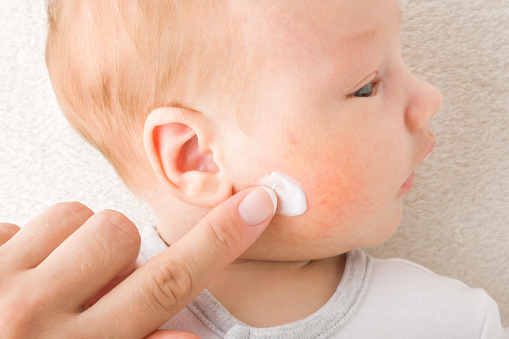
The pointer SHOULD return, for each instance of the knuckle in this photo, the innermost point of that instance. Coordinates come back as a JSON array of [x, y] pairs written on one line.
[[108, 216], [73, 211], [18, 316], [119, 225], [87, 327], [10, 326], [225, 235], [74, 208], [170, 286]]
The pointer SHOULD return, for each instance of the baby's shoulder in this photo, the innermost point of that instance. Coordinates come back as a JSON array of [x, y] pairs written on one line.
[[421, 298], [410, 281]]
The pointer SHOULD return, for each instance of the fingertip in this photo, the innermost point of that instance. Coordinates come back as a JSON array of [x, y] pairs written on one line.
[[7, 231], [273, 197], [258, 205]]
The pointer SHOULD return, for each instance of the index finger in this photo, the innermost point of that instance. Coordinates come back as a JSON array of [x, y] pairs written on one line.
[[166, 284]]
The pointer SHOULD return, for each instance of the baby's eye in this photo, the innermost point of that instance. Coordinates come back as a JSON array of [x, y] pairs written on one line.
[[365, 92]]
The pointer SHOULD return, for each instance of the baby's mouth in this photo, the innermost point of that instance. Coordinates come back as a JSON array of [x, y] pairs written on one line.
[[431, 146], [407, 185]]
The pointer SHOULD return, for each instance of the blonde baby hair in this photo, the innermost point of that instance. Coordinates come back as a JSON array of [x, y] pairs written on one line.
[[111, 62]]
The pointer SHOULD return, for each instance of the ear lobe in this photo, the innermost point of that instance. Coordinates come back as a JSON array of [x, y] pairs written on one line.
[[176, 143]]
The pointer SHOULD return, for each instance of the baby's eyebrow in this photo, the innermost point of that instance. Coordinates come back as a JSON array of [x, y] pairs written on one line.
[[368, 35]]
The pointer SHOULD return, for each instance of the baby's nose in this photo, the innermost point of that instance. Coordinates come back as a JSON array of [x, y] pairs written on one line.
[[425, 100]]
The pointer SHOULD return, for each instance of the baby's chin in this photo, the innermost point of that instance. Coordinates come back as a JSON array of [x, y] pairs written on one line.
[[293, 243], [298, 239]]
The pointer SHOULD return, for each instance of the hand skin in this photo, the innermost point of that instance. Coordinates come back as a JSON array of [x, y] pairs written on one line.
[[53, 269]]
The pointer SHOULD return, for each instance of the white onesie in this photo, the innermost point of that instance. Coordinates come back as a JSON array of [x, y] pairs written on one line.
[[376, 298]]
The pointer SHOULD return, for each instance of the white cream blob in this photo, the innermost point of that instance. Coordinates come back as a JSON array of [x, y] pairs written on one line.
[[291, 199]]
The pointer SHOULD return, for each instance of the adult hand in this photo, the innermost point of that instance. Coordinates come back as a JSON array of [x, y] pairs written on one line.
[[51, 269]]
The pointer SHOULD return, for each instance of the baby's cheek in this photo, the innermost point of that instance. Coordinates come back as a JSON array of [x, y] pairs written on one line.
[[339, 196], [334, 176], [292, 138]]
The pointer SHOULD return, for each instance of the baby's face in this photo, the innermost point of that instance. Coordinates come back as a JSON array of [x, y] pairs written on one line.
[[336, 108]]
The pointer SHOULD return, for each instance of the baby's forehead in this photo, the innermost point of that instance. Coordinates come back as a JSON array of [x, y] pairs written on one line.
[[323, 36], [307, 24]]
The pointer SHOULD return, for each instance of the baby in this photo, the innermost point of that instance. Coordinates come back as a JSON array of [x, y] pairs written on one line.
[[193, 101]]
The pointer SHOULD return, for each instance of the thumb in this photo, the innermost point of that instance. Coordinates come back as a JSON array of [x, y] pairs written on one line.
[[175, 277]]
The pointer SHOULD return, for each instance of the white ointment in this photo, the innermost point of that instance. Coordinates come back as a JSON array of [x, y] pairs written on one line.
[[291, 199]]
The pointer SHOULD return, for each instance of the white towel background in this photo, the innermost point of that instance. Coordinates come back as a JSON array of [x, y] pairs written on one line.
[[456, 220]]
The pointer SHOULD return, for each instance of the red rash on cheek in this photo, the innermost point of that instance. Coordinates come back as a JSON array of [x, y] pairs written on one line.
[[290, 136], [337, 205], [337, 195]]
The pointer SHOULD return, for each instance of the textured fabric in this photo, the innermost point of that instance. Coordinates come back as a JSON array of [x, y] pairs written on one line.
[[455, 220], [376, 298]]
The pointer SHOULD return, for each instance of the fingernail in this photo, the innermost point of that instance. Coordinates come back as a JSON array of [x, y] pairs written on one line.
[[258, 205]]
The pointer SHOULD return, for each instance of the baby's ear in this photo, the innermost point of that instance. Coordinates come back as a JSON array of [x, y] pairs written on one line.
[[178, 145]]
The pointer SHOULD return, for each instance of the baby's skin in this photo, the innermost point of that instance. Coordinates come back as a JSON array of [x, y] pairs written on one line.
[[332, 105]]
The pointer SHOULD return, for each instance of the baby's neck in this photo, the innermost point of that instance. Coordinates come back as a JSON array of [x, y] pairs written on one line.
[[266, 293]]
